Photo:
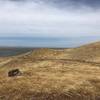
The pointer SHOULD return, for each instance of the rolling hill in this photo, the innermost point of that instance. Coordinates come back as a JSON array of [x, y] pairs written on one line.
[[52, 74], [89, 53]]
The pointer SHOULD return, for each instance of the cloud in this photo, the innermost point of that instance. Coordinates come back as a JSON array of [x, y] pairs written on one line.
[[43, 19]]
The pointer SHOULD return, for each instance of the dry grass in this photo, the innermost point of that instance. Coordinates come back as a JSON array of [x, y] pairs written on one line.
[[49, 74]]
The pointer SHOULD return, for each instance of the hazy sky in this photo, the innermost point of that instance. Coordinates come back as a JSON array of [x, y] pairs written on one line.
[[49, 18]]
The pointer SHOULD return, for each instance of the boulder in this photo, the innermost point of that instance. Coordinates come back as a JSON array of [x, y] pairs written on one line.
[[14, 72]]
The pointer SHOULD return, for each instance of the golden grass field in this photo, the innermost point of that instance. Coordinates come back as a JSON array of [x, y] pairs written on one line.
[[53, 74]]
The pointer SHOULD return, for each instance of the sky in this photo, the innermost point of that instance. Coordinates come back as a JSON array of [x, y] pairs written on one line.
[[49, 18]]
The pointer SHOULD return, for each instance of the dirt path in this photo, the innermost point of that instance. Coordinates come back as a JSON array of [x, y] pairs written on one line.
[[5, 62]]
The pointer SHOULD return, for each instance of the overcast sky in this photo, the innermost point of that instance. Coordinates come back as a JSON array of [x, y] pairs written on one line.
[[49, 18]]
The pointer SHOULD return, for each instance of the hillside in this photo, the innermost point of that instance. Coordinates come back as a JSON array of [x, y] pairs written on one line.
[[52, 74], [89, 52]]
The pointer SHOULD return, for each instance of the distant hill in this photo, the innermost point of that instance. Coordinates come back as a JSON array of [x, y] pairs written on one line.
[[89, 52]]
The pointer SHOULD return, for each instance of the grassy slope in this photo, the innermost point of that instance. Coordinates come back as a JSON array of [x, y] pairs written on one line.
[[89, 52], [50, 74]]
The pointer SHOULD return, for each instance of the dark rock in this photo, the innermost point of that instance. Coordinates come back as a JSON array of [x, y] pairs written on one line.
[[14, 72]]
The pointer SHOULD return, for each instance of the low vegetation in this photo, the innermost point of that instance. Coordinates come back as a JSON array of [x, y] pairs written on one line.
[[52, 74]]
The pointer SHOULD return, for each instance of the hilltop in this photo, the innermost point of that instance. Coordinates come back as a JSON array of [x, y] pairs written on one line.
[[52, 74]]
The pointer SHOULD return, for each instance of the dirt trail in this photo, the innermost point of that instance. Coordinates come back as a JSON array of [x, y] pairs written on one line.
[[5, 62]]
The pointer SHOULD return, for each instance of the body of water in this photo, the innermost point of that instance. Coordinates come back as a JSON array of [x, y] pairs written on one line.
[[15, 46], [46, 42]]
